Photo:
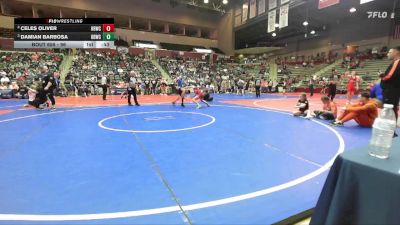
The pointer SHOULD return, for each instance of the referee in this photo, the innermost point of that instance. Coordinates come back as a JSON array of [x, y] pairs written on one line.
[[390, 81], [104, 85], [49, 85], [131, 88]]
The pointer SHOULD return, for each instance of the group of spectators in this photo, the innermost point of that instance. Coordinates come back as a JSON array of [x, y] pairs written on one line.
[[18, 71], [88, 68]]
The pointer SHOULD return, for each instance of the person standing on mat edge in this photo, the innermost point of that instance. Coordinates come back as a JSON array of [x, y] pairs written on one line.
[[332, 89], [131, 88], [258, 87], [104, 86], [181, 92], [390, 82], [49, 84], [352, 85], [311, 87]]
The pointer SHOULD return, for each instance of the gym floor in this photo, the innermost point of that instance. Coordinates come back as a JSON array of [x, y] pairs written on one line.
[[241, 161]]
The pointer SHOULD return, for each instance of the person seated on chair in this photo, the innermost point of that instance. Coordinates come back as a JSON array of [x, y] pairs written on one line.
[[329, 109], [376, 93], [364, 112], [302, 106]]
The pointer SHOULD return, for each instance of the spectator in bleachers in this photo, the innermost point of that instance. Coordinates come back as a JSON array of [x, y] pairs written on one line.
[[14, 87], [163, 87], [240, 87], [5, 80], [3, 86], [154, 84]]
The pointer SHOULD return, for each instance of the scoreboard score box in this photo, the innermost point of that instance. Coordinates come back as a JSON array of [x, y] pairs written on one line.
[[108, 36], [108, 27]]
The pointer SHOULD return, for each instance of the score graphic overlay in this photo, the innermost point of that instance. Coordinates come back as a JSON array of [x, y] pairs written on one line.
[[64, 33]]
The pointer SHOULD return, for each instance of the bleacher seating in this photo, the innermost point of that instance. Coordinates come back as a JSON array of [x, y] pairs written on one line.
[[368, 72], [25, 66], [192, 72], [6, 33], [88, 68]]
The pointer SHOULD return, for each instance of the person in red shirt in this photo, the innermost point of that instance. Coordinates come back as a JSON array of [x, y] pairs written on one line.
[[199, 97], [352, 86], [364, 112]]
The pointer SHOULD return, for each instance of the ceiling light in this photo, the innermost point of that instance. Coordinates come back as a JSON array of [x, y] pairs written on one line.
[[206, 1], [305, 23], [312, 32], [274, 34], [353, 10], [224, 2], [276, 25], [145, 45], [365, 1], [201, 50]]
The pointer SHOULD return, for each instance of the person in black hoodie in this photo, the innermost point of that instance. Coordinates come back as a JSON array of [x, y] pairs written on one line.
[[332, 89], [390, 81]]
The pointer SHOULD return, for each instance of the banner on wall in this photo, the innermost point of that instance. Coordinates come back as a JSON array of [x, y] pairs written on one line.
[[261, 7], [272, 4], [326, 3], [253, 8], [238, 20], [271, 20], [284, 16], [245, 12], [238, 11], [284, 1]]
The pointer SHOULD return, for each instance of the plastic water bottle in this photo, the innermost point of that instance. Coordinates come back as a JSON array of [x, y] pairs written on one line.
[[382, 133]]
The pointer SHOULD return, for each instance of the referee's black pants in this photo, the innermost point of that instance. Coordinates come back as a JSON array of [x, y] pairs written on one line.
[[50, 95], [104, 87], [392, 96], [132, 91], [258, 94]]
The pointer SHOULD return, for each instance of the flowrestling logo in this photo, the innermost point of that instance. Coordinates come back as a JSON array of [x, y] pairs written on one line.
[[379, 15]]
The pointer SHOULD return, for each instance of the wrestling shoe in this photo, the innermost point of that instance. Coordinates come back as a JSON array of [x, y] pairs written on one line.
[[336, 124]]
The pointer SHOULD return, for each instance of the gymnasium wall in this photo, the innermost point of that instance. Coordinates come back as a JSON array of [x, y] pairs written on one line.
[[130, 35], [6, 44], [7, 22], [225, 33], [299, 46], [140, 8], [363, 32], [359, 29]]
